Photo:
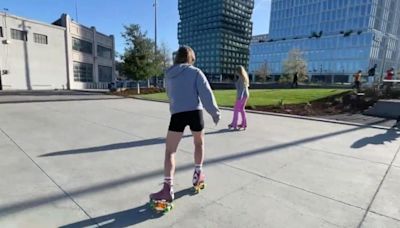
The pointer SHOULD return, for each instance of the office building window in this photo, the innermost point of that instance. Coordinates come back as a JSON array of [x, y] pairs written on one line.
[[1, 31], [19, 35], [39, 38], [103, 52], [105, 74], [82, 45], [83, 72]]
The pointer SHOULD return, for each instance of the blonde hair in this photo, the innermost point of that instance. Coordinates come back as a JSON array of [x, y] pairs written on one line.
[[243, 74], [185, 54]]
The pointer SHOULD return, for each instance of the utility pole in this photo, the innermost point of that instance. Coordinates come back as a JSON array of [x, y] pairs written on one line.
[[155, 25], [76, 11], [384, 57], [155, 35], [6, 36]]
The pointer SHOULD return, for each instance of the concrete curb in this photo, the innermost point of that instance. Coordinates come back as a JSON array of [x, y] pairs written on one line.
[[288, 116]]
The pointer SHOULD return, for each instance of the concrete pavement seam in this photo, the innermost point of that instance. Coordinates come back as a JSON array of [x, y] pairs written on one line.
[[48, 176], [111, 127], [343, 155], [386, 216], [378, 189], [292, 186], [97, 123], [280, 182]]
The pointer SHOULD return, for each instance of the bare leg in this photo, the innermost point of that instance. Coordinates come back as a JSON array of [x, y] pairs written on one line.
[[198, 139], [172, 141]]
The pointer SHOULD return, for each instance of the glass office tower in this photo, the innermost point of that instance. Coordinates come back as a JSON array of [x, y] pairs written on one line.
[[219, 31], [336, 37]]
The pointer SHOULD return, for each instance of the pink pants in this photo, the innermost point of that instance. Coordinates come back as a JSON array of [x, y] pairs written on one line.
[[239, 108]]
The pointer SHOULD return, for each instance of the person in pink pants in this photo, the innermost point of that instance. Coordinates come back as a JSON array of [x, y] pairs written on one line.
[[242, 95]]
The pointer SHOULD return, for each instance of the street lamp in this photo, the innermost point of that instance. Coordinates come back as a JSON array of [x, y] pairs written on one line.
[[155, 36], [384, 56], [5, 42], [155, 25]]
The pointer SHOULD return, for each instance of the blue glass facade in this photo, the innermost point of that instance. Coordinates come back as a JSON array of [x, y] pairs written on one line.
[[219, 31], [337, 37]]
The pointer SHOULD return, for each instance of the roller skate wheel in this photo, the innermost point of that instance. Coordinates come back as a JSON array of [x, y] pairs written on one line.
[[199, 187], [160, 206]]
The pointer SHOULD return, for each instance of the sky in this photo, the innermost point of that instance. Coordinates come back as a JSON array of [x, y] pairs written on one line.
[[109, 17]]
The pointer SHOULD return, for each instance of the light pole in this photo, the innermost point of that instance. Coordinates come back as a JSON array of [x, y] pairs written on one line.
[[155, 36], [5, 42], [384, 57], [76, 11]]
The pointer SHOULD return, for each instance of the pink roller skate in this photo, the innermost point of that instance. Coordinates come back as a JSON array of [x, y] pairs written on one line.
[[244, 126], [231, 126], [162, 201], [198, 181]]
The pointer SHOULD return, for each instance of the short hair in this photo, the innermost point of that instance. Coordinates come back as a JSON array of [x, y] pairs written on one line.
[[185, 54]]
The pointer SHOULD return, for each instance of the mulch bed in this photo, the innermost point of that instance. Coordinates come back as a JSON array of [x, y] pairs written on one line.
[[338, 104]]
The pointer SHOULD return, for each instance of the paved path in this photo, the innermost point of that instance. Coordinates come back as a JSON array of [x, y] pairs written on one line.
[[93, 163]]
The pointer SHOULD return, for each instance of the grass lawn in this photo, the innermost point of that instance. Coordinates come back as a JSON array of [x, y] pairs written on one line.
[[265, 97]]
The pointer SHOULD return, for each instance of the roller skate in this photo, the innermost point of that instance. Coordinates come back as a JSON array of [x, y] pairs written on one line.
[[161, 201], [242, 126], [198, 181], [231, 126]]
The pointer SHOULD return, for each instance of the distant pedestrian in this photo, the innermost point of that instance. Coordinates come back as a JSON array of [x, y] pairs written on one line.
[[371, 72], [357, 80], [389, 74], [387, 86], [242, 95], [295, 79]]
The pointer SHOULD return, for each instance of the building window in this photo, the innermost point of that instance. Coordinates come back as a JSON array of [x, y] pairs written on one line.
[[19, 35], [83, 72], [1, 31], [39, 38], [82, 45], [105, 74], [103, 52]]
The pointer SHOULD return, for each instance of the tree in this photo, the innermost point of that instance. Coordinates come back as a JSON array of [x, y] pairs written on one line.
[[119, 69], [294, 63], [165, 54], [263, 72], [166, 59], [140, 61]]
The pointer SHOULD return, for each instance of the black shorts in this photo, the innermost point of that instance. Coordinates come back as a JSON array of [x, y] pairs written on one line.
[[180, 120]]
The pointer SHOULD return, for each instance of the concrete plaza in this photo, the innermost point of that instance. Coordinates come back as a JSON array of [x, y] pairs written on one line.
[[92, 160]]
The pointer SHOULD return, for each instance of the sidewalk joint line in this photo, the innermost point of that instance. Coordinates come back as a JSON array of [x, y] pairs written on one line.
[[292, 186], [386, 216], [48, 176], [344, 155], [378, 189]]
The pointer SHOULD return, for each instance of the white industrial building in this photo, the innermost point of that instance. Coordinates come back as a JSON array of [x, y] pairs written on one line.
[[61, 55]]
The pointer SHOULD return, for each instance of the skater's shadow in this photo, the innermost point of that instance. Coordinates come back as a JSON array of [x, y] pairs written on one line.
[[128, 217], [379, 139], [124, 145]]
